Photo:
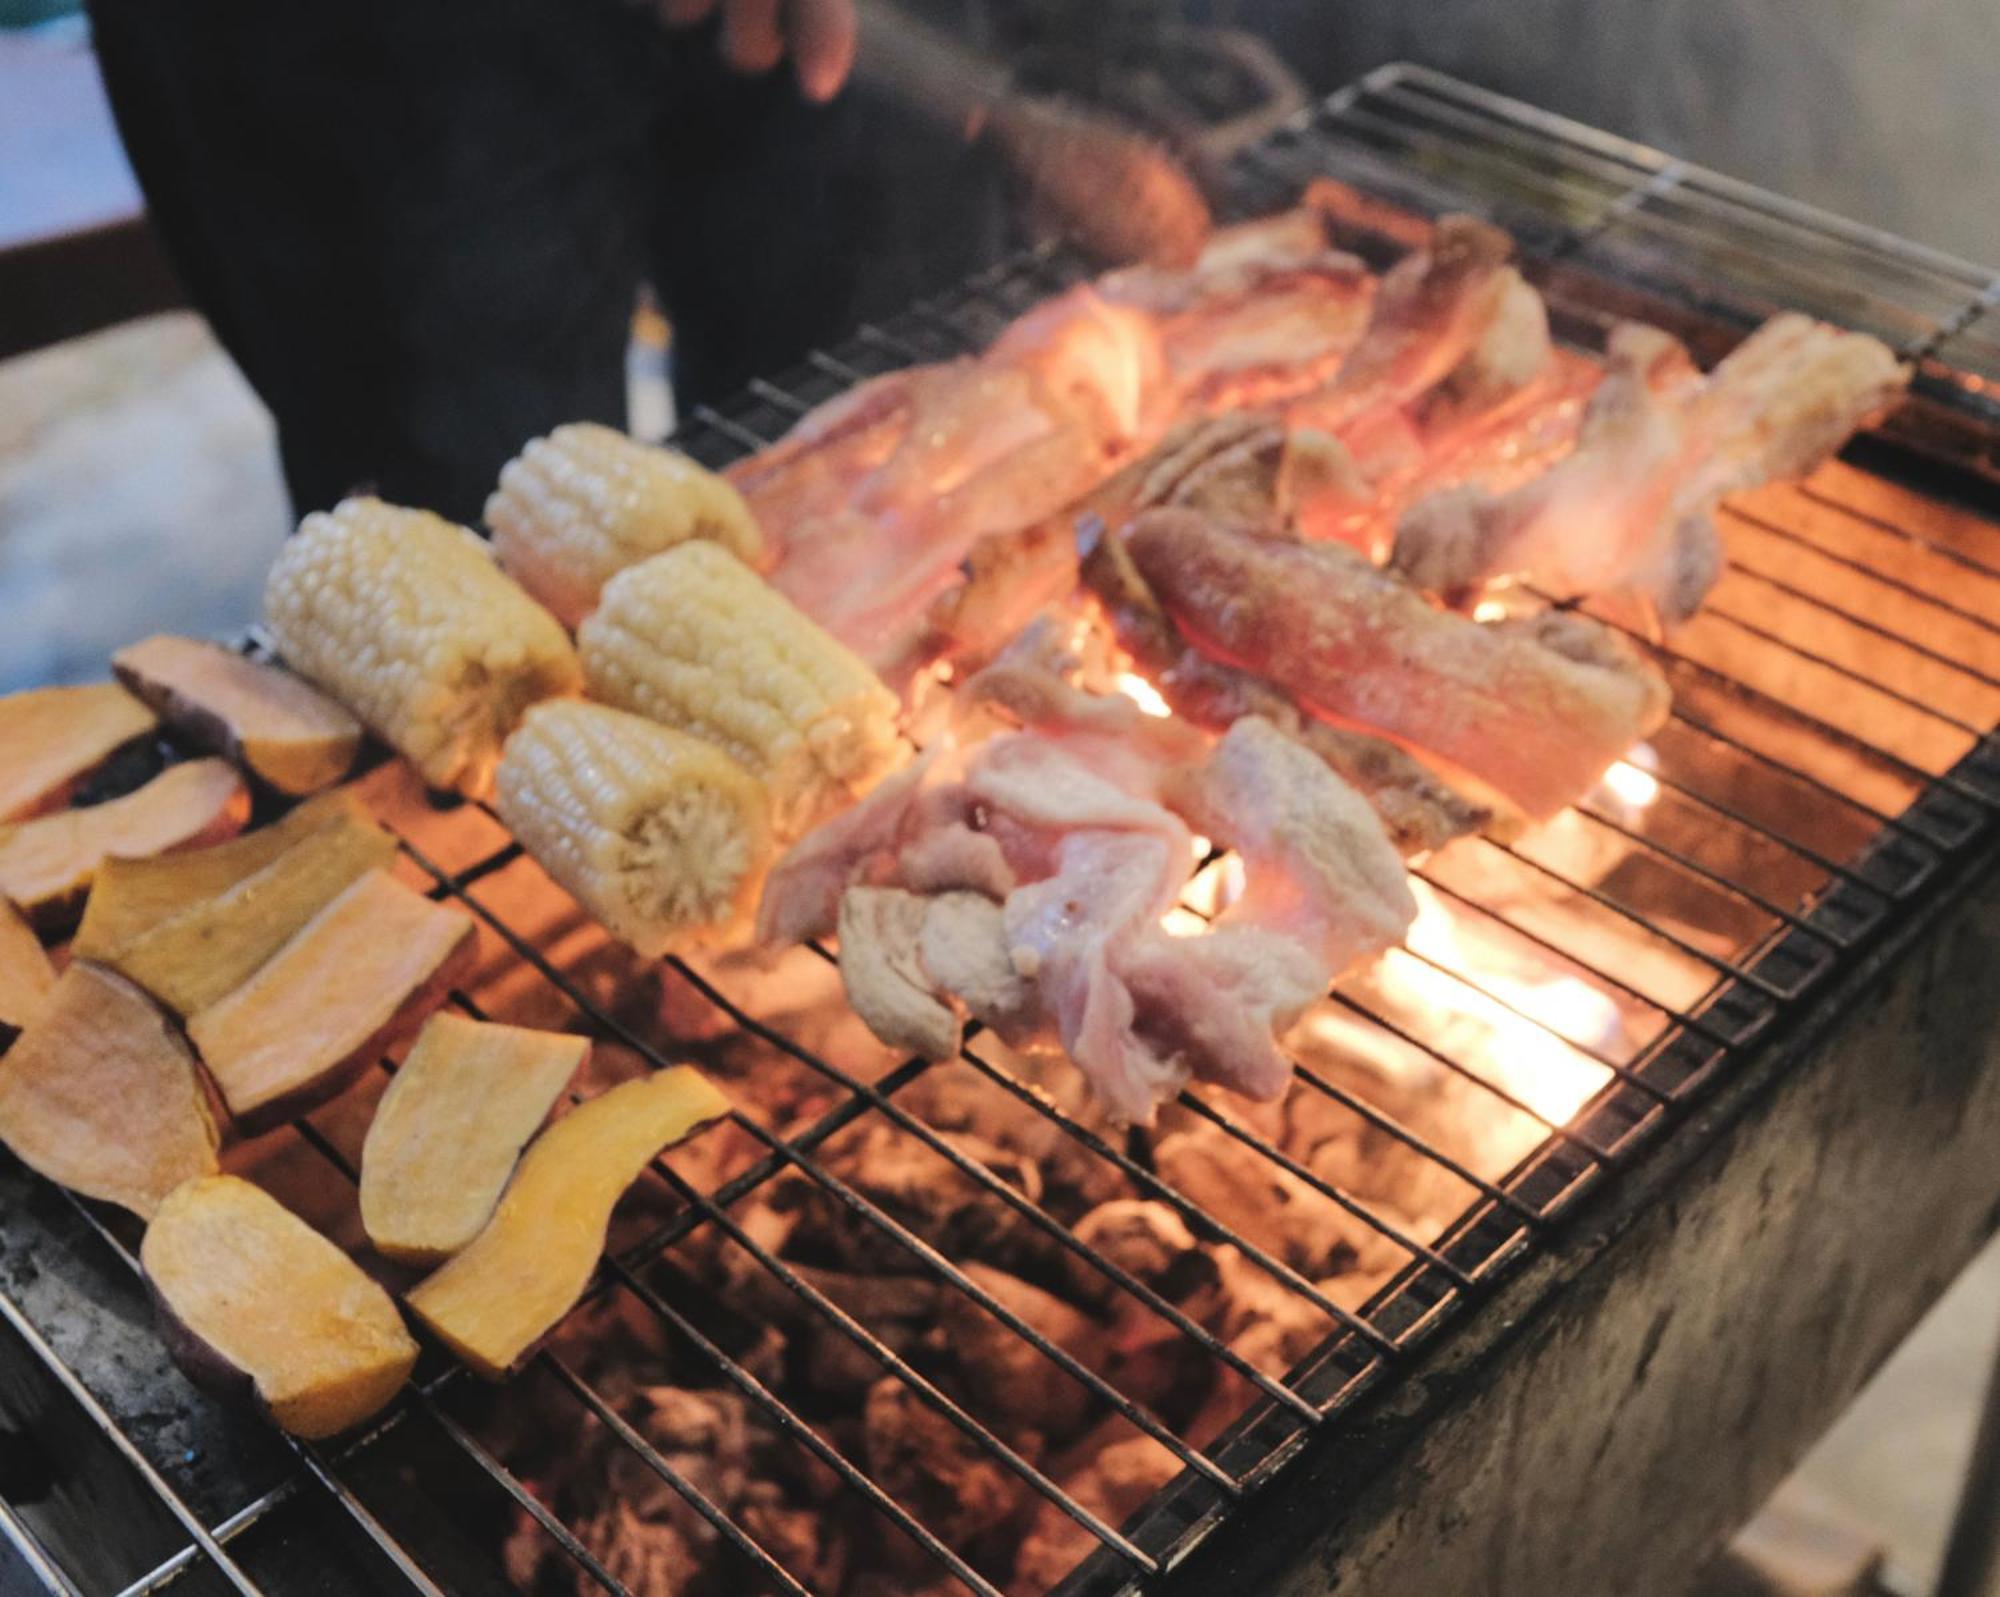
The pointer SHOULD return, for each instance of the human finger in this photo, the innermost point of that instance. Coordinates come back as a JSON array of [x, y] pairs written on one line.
[[822, 35], [685, 13], [751, 38]]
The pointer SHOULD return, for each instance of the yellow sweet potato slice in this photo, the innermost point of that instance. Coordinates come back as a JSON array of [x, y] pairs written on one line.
[[207, 951], [52, 738], [25, 973], [362, 973], [267, 720], [448, 1130], [47, 864], [495, 1301], [255, 1303], [100, 1093], [131, 896]]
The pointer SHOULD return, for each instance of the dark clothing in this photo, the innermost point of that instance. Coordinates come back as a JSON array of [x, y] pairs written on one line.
[[418, 225]]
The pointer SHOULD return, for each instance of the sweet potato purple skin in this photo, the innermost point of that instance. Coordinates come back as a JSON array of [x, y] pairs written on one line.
[[199, 1362], [206, 1368], [210, 731], [455, 970]]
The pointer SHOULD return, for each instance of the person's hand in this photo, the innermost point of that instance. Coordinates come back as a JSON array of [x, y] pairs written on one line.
[[757, 34]]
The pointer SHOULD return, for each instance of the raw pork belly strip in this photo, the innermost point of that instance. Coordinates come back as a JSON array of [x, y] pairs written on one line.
[[876, 498], [1421, 811], [1630, 510], [1533, 708]]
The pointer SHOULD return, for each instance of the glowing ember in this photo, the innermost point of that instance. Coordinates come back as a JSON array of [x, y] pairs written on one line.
[[1142, 693], [1489, 610], [1516, 1015], [1630, 781]]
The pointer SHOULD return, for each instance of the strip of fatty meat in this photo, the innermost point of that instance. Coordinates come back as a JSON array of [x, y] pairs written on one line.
[[1629, 512], [1059, 403], [1533, 708], [876, 498], [1430, 311]]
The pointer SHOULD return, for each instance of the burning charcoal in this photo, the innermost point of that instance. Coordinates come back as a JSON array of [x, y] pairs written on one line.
[[920, 1189], [1152, 1360], [805, 1539], [878, 1584], [1147, 1240], [958, 1098], [951, 1483], [1009, 1380], [641, 1554], [1264, 1320], [900, 1310], [1114, 1481], [702, 1435], [1260, 1200]]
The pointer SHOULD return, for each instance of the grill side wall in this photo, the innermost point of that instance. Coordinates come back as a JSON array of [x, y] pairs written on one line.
[[1626, 1402]]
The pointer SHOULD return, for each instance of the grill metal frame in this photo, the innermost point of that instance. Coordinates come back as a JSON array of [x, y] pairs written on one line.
[[1589, 211]]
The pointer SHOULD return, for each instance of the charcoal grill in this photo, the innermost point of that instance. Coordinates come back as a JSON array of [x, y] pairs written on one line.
[[1583, 1380]]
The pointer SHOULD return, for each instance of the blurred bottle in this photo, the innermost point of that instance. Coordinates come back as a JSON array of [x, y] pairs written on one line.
[[649, 371]]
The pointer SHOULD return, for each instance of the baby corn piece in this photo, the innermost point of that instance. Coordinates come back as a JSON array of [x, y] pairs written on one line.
[[406, 620], [577, 507], [695, 639], [661, 836]]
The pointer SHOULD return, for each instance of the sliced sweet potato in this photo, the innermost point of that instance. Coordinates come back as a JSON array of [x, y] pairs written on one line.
[[52, 738], [101, 1094], [362, 973], [199, 956], [267, 720], [495, 1301], [448, 1130], [253, 1302], [47, 864], [25, 973], [131, 896]]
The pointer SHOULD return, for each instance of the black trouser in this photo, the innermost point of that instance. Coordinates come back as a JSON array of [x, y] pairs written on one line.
[[417, 225]]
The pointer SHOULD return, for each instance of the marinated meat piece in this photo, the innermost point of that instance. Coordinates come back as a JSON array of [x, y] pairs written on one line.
[[1218, 1001], [985, 445], [1057, 787], [802, 895], [1318, 866], [1535, 708], [1008, 579], [1789, 396], [880, 929], [1629, 512], [1267, 311], [1076, 816], [1031, 683], [962, 948], [1511, 353], [1597, 520], [1430, 312], [1421, 811], [1065, 934]]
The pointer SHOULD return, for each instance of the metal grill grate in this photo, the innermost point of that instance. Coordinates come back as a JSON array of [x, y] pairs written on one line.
[[1828, 755]]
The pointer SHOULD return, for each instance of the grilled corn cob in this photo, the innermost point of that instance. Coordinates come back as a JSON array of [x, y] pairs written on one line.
[[694, 639], [577, 507], [405, 619], [660, 835]]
